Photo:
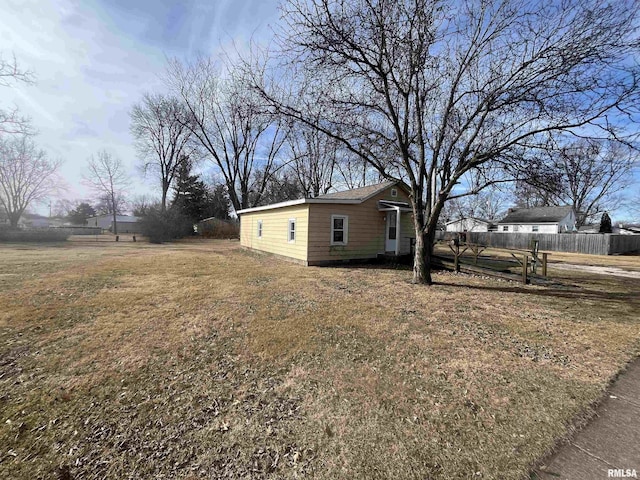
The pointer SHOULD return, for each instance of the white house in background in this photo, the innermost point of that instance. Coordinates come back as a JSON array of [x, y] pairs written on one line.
[[538, 220], [468, 224], [126, 223]]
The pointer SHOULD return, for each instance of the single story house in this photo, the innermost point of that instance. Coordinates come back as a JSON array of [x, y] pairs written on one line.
[[355, 224], [539, 220], [468, 224], [126, 223], [35, 220]]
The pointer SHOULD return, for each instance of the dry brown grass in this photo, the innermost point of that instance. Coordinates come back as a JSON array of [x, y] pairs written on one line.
[[201, 360], [629, 262]]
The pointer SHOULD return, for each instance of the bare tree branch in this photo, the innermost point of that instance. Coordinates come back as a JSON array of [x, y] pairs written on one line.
[[231, 124], [26, 175], [162, 138], [107, 177]]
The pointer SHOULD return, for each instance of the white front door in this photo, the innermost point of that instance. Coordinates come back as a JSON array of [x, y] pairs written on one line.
[[392, 234]]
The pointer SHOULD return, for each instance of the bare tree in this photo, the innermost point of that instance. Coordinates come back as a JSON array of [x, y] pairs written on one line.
[[162, 138], [428, 91], [62, 207], [487, 204], [106, 176], [587, 174], [635, 208], [105, 205], [10, 120], [314, 159], [26, 175], [141, 204], [231, 124]]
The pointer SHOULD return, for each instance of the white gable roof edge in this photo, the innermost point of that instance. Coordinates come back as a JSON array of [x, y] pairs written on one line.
[[292, 203]]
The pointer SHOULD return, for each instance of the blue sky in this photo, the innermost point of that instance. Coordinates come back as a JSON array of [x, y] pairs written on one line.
[[93, 59]]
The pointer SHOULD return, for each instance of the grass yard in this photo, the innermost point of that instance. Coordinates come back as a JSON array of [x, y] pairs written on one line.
[[202, 360], [630, 262]]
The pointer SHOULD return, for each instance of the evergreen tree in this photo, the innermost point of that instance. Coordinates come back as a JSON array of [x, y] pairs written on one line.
[[217, 202], [605, 223], [189, 193], [79, 215], [196, 200]]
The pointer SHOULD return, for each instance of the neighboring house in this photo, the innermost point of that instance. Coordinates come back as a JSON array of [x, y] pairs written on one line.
[[34, 220], [126, 223], [619, 230], [538, 220], [468, 224], [355, 224]]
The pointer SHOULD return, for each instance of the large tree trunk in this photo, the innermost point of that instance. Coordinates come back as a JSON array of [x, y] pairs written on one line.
[[163, 204], [113, 206], [419, 267], [13, 219], [422, 257], [425, 237]]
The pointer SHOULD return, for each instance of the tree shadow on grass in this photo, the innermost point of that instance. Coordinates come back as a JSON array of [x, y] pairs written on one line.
[[612, 299]]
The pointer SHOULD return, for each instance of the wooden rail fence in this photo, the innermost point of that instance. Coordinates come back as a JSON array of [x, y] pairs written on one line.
[[595, 244]]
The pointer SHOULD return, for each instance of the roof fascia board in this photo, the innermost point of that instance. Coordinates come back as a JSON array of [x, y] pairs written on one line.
[[301, 201], [290, 203]]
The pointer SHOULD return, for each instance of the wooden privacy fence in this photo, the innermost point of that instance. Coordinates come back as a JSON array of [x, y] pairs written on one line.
[[73, 230], [590, 243]]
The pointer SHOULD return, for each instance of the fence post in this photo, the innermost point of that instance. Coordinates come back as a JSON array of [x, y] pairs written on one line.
[[544, 264], [456, 263], [525, 266]]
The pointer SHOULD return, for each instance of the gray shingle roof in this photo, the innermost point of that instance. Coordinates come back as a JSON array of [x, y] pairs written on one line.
[[537, 215], [361, 193]]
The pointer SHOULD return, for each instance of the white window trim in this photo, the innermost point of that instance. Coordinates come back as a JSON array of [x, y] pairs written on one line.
[[345, 229], [260, 226], [292, 221], [505, 228], [535, 228]]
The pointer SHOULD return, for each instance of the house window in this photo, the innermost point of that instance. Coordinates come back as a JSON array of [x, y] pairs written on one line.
[[516, 228], [505, 228], [339, 229], [259, 228], [535, 228], [292, 230], [394, 192]]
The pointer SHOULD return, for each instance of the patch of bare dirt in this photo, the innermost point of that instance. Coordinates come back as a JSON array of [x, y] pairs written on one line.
[[618, 272]]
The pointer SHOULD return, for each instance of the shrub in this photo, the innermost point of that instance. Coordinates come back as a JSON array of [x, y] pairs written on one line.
[[41, 235], [165, 226], [215, 228]]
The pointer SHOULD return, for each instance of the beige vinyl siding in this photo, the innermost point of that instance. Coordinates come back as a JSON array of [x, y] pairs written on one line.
[[366, 229], [407, 232], [275, 230]]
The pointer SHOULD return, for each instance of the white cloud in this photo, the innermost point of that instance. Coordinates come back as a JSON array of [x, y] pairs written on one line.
[[94, 60]]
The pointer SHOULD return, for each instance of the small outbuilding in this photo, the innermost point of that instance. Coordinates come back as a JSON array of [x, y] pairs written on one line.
[[125, 223], [361, 223], [538, 220]]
